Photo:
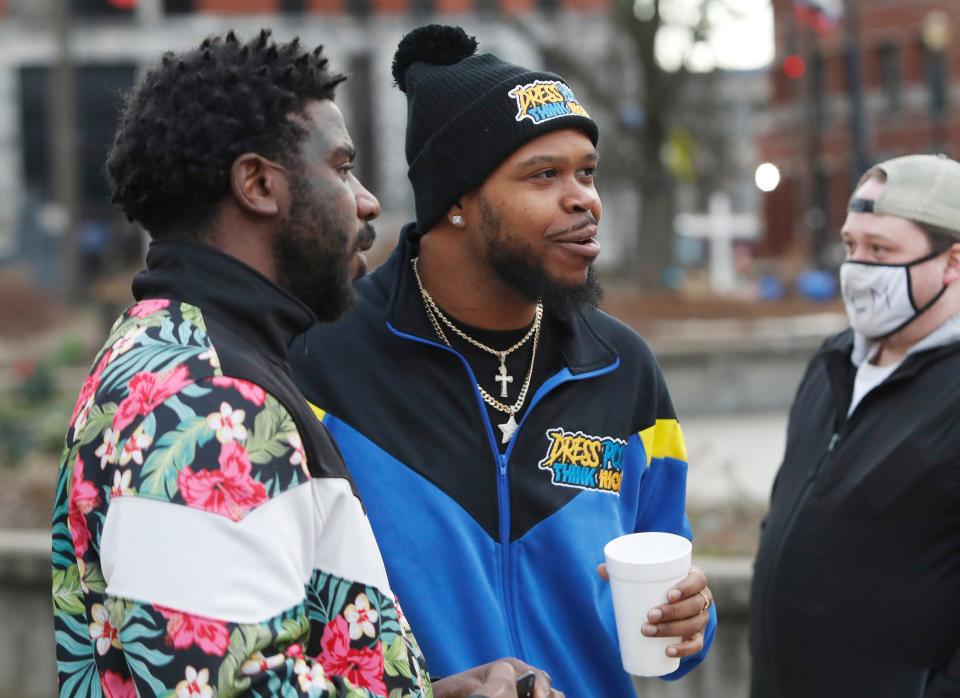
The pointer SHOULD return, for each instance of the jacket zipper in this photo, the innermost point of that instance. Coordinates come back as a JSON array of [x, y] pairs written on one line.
[[503, 488], [835, 438], [503, 485], [506, 567], [794, 512], [502, 460]]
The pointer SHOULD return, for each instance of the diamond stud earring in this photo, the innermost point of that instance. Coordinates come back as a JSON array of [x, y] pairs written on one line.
[[456, 220]]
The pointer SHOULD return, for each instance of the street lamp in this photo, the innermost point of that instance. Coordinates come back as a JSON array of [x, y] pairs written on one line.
[[767, 177]]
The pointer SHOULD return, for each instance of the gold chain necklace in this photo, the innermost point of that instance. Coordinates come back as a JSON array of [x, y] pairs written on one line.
[[502, 378], [433, 312]]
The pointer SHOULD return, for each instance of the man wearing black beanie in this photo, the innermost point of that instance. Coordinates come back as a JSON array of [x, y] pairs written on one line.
[[500, 427]]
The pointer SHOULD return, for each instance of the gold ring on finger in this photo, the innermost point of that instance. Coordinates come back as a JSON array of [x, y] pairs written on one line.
[[706, 602]]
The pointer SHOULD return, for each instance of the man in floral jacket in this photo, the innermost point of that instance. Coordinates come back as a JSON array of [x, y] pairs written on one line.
[[207, 538]]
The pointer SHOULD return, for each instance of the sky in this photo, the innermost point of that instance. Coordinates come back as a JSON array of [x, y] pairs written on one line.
[[742, 36]]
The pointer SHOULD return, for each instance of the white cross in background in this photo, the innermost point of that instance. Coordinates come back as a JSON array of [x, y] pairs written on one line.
[[720, 227]]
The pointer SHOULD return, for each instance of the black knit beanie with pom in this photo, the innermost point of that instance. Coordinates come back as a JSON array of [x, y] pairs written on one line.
[[466, 113]]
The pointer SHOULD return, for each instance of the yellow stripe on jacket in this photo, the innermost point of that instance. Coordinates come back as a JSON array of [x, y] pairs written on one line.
[[663, 440], [317, 411]]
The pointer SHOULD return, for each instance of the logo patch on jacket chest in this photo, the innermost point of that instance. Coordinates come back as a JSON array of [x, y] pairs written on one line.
[[585, 462]]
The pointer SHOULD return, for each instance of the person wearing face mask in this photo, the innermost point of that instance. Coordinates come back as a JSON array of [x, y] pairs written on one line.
[[856, 588]]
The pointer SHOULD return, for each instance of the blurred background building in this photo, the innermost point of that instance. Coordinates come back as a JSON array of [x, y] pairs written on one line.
[[854, 82], [64, 66], [685, 206], [671, 137], [724, 184]]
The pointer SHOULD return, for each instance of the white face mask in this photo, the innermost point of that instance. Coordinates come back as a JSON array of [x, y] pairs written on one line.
[[879, 297]]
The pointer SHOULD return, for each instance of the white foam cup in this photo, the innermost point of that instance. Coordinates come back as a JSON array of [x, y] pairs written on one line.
[[643, 567]]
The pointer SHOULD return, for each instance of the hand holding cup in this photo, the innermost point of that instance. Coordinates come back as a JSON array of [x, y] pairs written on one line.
[[657, 597]]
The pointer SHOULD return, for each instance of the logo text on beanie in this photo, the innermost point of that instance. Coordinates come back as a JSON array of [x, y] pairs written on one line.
[[542, 100]]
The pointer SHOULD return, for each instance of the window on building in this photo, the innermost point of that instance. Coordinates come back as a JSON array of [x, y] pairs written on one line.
[[487, 8], [818, 87], [363, 129], [935, 77], [839, 71], [422, 10], [818, 217], [548, 6], [105, 242], [34, 132], [359, 8], [116, 8], [97, 93], [177, 7], [888, 67]]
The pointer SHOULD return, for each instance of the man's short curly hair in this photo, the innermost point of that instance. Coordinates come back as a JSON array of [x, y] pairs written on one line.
[[186, 122]]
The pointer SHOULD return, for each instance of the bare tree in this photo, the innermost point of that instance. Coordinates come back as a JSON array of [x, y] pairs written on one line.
[[639, 100]]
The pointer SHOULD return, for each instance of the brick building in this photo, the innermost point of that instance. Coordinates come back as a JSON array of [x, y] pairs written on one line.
[[111, 41], [882, 81]]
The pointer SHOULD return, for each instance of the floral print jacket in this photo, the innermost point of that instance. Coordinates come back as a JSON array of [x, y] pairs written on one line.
[[207, 540]]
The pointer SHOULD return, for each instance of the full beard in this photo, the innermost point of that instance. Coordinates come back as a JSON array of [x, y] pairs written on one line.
[[516, 266], [315, 269]]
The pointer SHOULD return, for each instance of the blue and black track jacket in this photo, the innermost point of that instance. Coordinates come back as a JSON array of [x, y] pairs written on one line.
[[494, 553]]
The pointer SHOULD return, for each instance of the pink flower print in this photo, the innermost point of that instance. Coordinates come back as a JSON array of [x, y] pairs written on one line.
[[102, 630], [185, 630], [148, 307], [228, 423], [83, 498], [133, 448], [84, 403], [115, 686], [336, 639], [128, 340], [107, 451], [299, 456], [87, 393], [309, 676], [121, 483], [229, 491], [146, 391], [361, 618], [106, 358], [84, 494], [194, 684], [77, 525], [250, 391], [362, 667]]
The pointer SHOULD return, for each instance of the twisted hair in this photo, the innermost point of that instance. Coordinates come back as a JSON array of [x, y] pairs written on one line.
[[184, 124]]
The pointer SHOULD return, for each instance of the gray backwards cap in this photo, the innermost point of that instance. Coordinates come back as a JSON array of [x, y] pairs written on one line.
[[922, 189]]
